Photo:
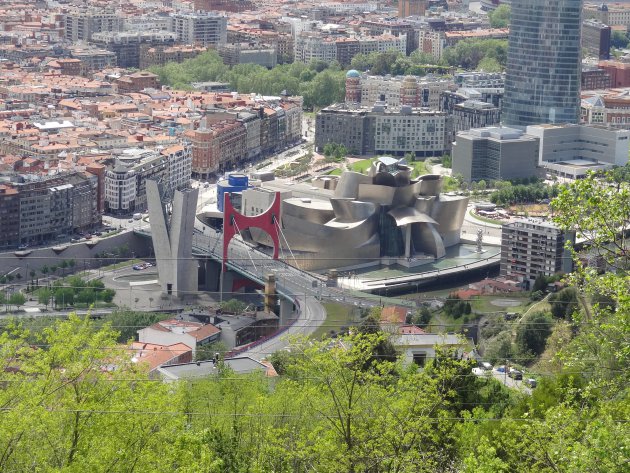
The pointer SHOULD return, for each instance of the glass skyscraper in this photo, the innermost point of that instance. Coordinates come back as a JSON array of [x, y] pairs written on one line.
[[542, 83]]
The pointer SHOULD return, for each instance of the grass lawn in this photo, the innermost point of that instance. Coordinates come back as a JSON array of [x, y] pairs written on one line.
[[483, 304], [419, 167], [337, 315], [335, 172]]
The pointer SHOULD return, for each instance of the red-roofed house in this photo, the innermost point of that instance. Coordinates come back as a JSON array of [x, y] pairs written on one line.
[[172, 331], [155, 355], [393, 315]]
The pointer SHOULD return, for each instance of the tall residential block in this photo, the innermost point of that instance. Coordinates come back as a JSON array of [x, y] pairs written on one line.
[[531, 248], [596, 38], [80, 25], [205, 29], [542, 83]]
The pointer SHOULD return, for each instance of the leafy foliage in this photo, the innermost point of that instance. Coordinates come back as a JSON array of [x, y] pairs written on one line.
[[319, 83], [533, 331], [500, 16], [523, 193], [470, 52]]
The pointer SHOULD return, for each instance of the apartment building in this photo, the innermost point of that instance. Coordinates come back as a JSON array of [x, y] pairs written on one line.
[[39, 210], [93, 59], [531, 248], [596, 38], [137, 82], [223, 5], [594, 78], [617, 14], [244, 133], [9, 216], [431, 42], [618, 71], [495, 153], [80, 25], [382, 130], [474, 114], [127, 44], [218, 147], [204, 29], [396, 91], [283, 43], [246, 53], [125, 181], [160, 55], [396, 28], [312, 45]]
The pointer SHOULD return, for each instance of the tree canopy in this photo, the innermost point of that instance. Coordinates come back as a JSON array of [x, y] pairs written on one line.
[[319, 83], [500, 16]]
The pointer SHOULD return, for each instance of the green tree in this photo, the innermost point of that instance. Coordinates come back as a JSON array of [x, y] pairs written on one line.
[[422, 317], [64, 296], [233, 306], [44, 296], [17, 299], [335, 152], [489, 64], [619, 40], [532, 332], [63, 265], [500, 16], [85, 296], [73, 415], [597, 208], [107, 295], [468, 53], [564, 303]]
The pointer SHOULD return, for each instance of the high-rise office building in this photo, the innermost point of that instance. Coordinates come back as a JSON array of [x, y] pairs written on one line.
[[542, 83]]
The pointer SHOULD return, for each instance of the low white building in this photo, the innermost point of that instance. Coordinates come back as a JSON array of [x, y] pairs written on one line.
[[573, 150], [418, 348]]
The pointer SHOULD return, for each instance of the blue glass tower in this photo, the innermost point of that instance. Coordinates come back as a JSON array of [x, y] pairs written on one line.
[[542, 83]]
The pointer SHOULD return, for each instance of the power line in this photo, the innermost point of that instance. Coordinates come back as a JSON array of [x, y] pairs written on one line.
[[433, 420]]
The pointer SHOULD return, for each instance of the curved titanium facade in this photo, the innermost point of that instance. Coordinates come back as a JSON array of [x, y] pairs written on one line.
[[542, 82], [384, 213]]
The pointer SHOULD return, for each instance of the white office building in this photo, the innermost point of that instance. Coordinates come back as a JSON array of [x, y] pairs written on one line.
[[573, 150]]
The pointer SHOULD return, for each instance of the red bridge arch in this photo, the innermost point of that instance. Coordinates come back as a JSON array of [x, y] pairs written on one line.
[[266, 221]]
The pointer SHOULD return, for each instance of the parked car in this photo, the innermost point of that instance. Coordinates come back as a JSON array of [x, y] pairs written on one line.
[[501, 369], [22, 247], [515, 374], [485, 365], [531, 382], [138, 267]]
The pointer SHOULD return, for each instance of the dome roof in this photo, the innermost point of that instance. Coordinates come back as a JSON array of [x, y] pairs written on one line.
[[352, 73]]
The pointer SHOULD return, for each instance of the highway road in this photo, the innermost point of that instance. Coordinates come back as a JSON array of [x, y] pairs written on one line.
[[304, 288]]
